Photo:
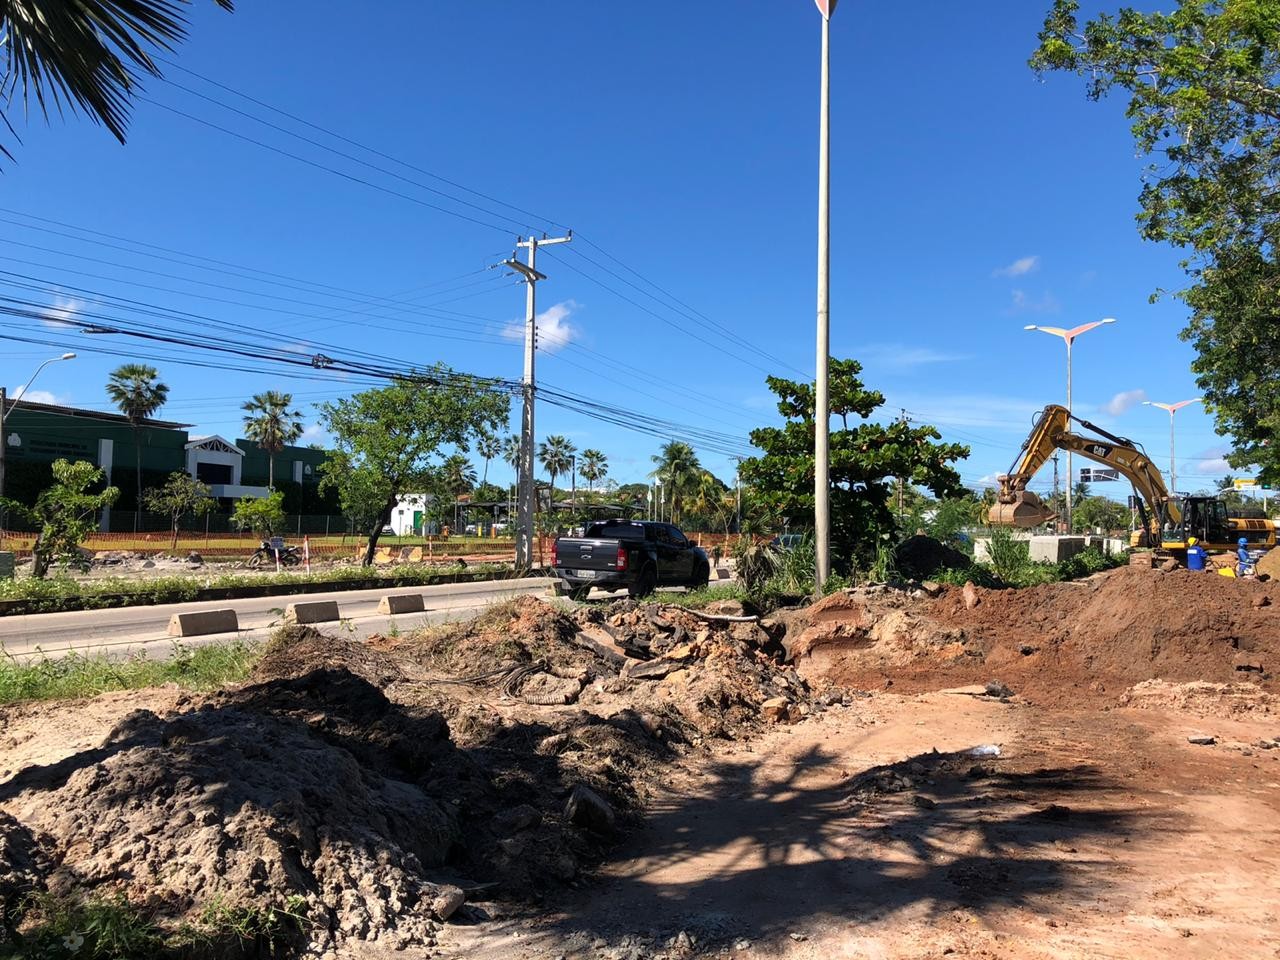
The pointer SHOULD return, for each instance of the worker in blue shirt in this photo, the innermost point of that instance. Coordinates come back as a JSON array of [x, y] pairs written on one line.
[[1245, 562], [1196, 557]]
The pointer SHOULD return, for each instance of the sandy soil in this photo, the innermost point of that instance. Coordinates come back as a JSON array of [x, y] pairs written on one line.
[[1098, 833]]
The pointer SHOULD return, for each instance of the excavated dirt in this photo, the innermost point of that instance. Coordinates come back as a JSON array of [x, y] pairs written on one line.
[[1056, 643], [376, 787]]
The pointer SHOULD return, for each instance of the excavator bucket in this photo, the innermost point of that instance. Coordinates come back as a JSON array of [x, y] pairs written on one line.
[[1026, 510]]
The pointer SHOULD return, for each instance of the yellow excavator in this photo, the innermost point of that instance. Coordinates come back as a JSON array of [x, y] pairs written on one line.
[[1165, 521]]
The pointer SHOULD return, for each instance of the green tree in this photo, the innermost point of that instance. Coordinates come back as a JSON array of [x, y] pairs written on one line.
[[677, 466], [594, 468], [181, 495], [556, 457], [86, 55], [1204, 104], [263, 515], [457, 475], [66, 513], [387, 440], [865, 460], [1091, 513], [490, 448], [137, 392], [511, 451], [271, 425]]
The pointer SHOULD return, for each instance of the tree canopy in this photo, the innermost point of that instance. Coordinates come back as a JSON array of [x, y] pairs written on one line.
[[272, 425], [1203, 84], [394, 439], [865, 460], [66, 512]]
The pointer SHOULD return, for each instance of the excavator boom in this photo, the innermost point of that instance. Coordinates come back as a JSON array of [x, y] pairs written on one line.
[[1017, 506]]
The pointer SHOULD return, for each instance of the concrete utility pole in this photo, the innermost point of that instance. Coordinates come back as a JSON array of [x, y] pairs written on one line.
[[822, 413], [526, 492]]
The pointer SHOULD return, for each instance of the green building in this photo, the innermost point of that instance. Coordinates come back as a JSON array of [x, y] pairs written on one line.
[[36, 434]]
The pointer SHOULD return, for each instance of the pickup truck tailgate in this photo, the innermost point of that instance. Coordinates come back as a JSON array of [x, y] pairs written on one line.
[[595, 556]]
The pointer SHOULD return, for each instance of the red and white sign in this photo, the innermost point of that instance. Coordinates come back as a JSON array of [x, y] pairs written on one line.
[[826, 7]]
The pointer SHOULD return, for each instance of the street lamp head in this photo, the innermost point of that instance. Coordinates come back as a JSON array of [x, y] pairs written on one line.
[[1030, 326], [67, 356], [1109, 320]]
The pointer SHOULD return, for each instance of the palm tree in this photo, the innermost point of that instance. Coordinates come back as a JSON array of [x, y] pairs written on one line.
[[511, 451], [677, 466], [595, 467], [271, 425], [557, 457], [86, 55], [137, 392], [490, 448], [458, 475]]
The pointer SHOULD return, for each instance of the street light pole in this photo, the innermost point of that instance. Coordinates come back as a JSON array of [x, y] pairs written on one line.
[[1069, 336], [5, 407], [1172, 408], [822, 399]]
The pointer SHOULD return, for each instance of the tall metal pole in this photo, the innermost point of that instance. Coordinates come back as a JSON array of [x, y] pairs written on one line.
[[1173, 463], [822, 413], [1070, 474]]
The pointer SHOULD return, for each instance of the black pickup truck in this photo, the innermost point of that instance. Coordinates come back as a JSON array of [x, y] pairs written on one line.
[[638, 555]]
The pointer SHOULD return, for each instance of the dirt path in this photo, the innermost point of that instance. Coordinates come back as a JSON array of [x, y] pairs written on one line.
[[1098, 833]]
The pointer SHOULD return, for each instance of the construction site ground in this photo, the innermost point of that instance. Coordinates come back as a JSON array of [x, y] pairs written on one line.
[[1086, 769]]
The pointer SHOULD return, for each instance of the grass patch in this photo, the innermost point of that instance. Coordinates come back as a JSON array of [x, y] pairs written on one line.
[[701, 598], [86, 675], [60, 592], [1016, 569], [111, 928]]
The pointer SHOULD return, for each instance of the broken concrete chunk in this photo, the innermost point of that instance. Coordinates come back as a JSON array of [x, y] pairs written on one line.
[[995, 688], [726, 608], [776, 710], [586, 808], [447, 901], [970, 594], [647, 669], [1202, 739]]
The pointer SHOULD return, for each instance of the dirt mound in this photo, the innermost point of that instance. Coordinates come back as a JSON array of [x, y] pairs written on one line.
[[297, 650], [1232, 700], [922, 557], [1054, 641], [227, 802]]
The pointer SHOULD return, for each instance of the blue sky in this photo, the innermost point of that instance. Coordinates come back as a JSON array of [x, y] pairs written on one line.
[[969, 199]]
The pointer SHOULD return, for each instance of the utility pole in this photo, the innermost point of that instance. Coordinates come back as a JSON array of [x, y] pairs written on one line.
[[822, 413], [4, 402], [902, 486], [525, 483]]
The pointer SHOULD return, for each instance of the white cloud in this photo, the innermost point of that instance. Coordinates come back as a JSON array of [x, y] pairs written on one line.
[[1045, 303], [1019, 268], [1124, 401], [554, 329], [1216, 466], [61, 312], [38, 396], [898, 356], [313, 434]]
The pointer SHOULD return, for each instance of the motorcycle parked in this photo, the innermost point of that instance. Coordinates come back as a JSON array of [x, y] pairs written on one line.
[[266, 554]]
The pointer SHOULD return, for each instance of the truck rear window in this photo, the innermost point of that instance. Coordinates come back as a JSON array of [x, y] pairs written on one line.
[[616, 531]]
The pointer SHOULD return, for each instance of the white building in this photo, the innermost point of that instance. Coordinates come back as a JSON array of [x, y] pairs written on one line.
[[409, 515], [219, 463]]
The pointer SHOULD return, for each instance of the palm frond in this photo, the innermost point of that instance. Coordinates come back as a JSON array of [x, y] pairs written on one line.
[[88, 55]]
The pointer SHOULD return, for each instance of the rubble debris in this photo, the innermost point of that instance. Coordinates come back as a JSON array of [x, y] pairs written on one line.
[[1000, 691], [588, 809], [1202, 739]]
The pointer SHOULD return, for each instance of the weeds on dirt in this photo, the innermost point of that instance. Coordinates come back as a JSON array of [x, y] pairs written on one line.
[[86, 675], [111, 928], [1011, 566], [699, 599]]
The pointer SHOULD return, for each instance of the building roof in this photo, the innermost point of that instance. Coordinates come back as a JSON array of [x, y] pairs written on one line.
[[93, 415], [213, 442]]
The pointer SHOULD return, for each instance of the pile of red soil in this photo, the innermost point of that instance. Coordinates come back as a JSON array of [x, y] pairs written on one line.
[[1057, 641]]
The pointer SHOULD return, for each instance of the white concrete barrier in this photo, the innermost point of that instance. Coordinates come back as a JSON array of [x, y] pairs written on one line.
[[395, 603], [314, 611], [203, 622]]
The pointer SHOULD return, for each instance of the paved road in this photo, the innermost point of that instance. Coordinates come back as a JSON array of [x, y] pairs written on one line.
[[133, 629]]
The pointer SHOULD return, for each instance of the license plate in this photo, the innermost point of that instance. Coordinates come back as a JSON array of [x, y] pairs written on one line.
[[585, 574]]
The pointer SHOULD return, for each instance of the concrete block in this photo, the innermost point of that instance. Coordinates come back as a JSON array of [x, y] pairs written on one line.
[[203, 622], [315, 611], [395, 603], [1051, 549]]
